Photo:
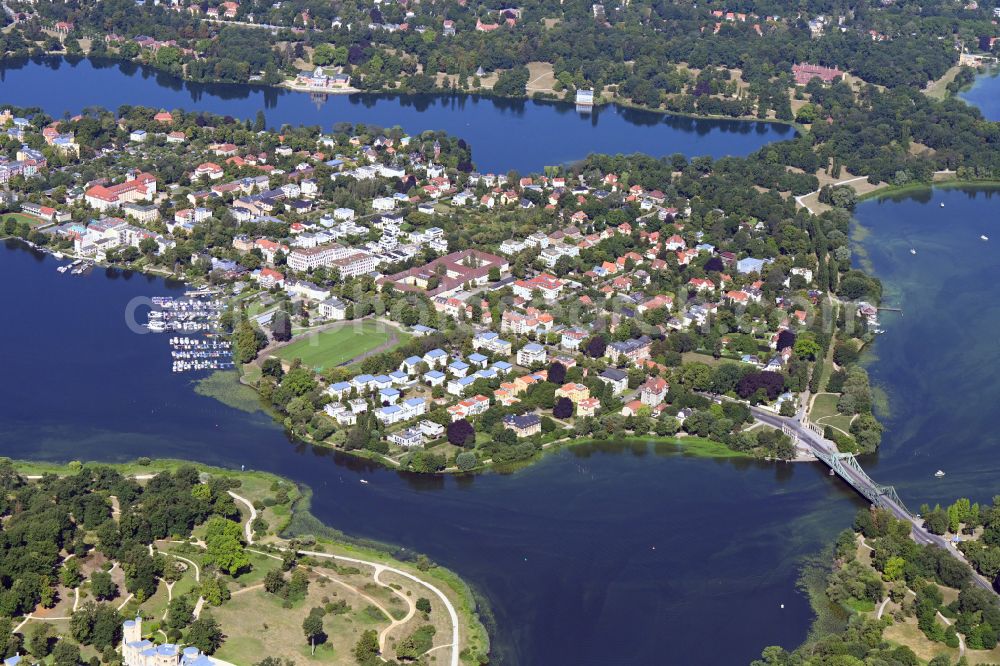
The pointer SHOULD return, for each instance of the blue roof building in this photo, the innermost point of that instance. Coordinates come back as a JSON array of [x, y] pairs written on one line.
[[751, 265]]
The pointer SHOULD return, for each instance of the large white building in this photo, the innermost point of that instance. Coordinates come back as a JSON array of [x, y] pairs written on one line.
[[308, 258], [356, 263], [137, 651]]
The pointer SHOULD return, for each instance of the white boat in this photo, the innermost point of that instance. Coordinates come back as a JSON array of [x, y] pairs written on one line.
[[939, 474], [62, 269], [364, 481], [912, 251], [942, 204], [984, 237]]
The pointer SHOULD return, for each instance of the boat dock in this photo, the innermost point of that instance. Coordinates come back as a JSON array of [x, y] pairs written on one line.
[[199, 317]]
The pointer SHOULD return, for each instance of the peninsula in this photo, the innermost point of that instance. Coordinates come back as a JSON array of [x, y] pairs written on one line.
[[384, 297], [888, 599], [473, 319], [198, 566]]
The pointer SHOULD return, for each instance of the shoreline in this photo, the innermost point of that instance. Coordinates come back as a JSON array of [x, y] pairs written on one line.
[[688, 445], [328, 540], [909, 188], [289, 86]]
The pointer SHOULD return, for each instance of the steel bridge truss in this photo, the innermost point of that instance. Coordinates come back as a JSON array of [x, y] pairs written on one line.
[[875, 493]]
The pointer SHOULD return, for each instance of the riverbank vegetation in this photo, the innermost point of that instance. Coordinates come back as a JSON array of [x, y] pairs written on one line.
[[905, 604], [975, 529], [719, 61], [196, 552], [752, 338]]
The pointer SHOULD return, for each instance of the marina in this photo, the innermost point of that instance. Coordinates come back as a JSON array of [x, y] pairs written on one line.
[[191, 315], [77, 267]]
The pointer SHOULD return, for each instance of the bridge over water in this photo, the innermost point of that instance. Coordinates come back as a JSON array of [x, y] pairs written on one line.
[[847, 467]]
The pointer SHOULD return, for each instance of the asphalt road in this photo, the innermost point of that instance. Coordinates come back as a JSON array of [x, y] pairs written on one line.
[[821, 445]]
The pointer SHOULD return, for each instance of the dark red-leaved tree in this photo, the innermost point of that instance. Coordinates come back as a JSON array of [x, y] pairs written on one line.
[[596, 346], [557, 373], [563, 408], [714, 264], [785, 339], [773, 384], [461, 433]]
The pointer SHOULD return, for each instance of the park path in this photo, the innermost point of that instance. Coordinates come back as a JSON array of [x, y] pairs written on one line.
[[800, 200], [248, 525], [961, 639], [411, 609], [393, 623], [452, 613], [378, 568]]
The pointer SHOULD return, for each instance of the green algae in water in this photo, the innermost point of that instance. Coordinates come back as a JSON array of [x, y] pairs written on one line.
[[225, 386]]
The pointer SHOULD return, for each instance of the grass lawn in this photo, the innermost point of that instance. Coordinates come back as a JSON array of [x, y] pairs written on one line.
[[260, 565], [824, 412], [339, 345], [21, 217], [252, 373], [824, 405], [698, 447], [906, 633], [861, 605], [938, 89], [697, 357], [256, 626]]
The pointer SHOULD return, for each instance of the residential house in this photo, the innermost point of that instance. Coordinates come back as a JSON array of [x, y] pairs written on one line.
[[573, 391], [618, 379], [523, 425], [587, 407], [333, 308], [408, 438], [633, 351], [436, 358], [530, 354], [653, 391]]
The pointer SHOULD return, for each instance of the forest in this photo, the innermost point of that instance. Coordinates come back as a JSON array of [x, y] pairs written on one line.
[[53, 523], [911, 581]]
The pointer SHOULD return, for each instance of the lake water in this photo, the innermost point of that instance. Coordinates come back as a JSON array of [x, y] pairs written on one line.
[[504, 134], [589, 557], [592, 556], [937, 361], [985, 93]]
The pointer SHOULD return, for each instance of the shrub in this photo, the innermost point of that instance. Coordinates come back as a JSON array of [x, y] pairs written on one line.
[[466, 461]]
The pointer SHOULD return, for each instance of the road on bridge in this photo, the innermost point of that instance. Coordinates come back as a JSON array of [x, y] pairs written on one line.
[[819, 444]]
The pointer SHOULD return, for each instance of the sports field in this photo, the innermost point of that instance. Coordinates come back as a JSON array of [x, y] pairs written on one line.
[[335, 346]]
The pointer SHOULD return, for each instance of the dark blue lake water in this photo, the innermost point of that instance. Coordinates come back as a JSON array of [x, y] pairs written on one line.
[[985, 93], [599, 556], [593, 556], [504, 134], [937, 359]]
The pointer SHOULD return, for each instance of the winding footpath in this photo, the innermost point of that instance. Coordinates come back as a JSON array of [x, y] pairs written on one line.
[[452, 613], [378, 569]]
